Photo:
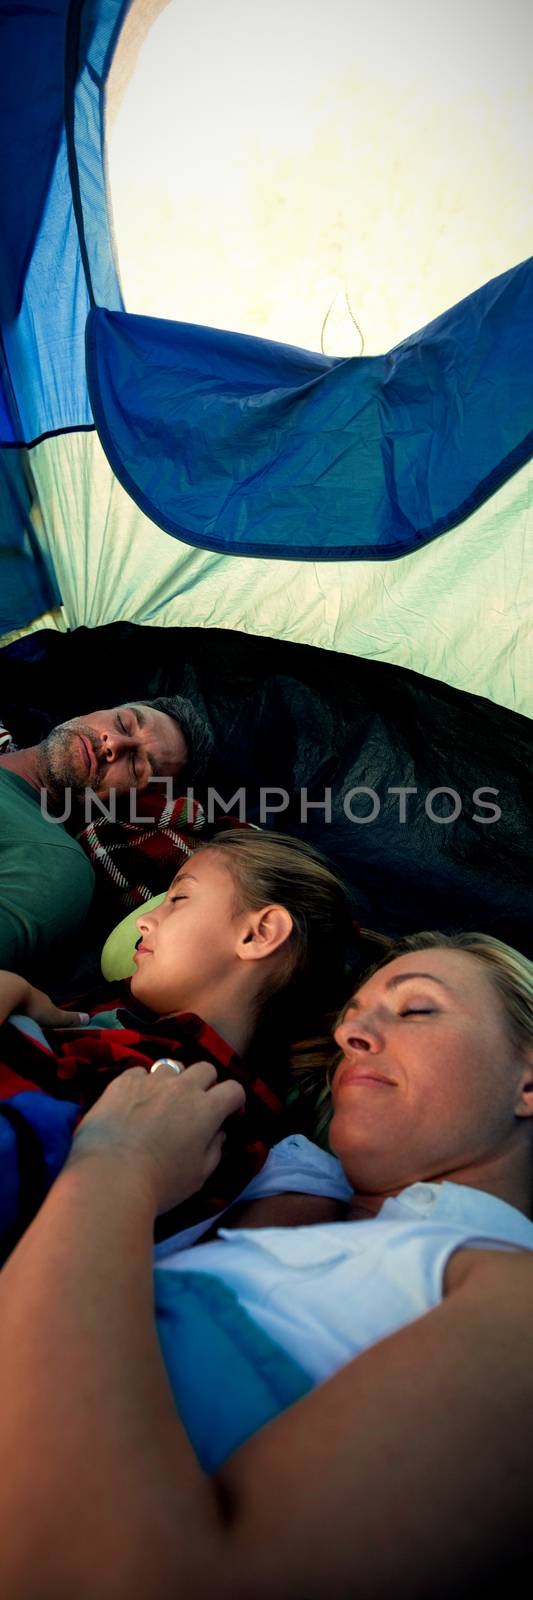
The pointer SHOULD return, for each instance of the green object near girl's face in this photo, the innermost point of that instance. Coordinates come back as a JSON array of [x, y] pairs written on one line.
[[119, 949]]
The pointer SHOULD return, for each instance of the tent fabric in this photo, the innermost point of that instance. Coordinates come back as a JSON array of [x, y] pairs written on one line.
[[28, 580], [56, 256], [241, 445], [293, 717], [456, 610], [231, 443], [45, 287]]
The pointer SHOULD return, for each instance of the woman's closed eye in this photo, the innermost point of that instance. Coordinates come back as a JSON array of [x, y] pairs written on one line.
[[418, 1011]]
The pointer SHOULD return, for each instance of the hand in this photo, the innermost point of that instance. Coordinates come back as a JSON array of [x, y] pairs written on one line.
[[167, 1127], [16, 994], [42, 1009]]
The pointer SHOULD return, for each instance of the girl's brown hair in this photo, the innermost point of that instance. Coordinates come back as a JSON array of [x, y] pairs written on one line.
[[314, 976]]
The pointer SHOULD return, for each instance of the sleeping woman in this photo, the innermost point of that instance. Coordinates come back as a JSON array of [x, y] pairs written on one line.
[[401, 1461], [253, 936]]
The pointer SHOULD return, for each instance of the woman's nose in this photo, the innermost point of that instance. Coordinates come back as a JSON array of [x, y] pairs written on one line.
[[355, 1034]]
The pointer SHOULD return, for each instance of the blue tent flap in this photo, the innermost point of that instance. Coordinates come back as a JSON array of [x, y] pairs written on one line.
[[56, 254], [28, 586], [244, 446]]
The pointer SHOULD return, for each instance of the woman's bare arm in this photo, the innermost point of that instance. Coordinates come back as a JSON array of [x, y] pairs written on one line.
[[408, 1474]]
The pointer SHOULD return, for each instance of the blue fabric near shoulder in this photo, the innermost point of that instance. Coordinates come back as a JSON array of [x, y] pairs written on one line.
[[35, 1138], [227, 1376], [35, 1133]]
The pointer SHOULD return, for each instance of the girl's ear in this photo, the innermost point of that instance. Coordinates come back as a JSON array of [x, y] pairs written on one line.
[[264, 932]]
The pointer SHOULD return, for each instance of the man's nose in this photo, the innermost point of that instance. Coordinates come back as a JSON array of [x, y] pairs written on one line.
[[115, 744], [355, 1034]]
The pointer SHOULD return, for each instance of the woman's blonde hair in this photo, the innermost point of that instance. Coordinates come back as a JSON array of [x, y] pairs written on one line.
[[511, 974]]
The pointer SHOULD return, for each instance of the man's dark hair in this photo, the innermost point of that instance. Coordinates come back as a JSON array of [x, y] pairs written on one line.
[[194, 727]]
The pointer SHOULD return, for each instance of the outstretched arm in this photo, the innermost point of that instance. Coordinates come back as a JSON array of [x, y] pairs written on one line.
[[408, 1473], [16, 994]]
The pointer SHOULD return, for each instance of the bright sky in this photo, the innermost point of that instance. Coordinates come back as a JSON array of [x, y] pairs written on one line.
[[275, 158]]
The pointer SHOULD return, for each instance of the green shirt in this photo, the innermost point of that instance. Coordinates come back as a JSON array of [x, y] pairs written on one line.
[[46, 880]]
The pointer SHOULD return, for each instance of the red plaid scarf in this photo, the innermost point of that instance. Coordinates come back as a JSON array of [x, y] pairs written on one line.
[[134, 860], [76, 1067]]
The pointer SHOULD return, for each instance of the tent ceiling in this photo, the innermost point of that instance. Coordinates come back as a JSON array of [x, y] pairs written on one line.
[[454, 610], [266, 159]]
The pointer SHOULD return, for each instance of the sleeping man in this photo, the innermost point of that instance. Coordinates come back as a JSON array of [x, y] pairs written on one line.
[[46, 880]]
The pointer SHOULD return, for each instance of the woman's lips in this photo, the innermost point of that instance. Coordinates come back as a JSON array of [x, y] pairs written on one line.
[[354, 1075]]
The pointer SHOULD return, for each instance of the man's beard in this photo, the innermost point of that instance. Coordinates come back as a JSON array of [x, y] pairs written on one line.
[[62, 764]]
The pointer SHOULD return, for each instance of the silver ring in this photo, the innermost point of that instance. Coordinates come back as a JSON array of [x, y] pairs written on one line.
[[165, 1061]]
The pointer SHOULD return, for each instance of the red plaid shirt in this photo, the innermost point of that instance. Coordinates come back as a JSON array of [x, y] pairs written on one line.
[[76, 1066]]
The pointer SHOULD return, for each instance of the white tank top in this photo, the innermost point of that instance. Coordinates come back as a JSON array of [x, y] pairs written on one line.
[[327, 1292]]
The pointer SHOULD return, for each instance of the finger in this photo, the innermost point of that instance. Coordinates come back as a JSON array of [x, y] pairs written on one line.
[[73, 1019], [223, 1099], [167, 1069], [202, 1074]]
